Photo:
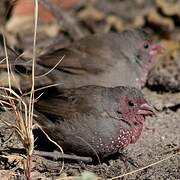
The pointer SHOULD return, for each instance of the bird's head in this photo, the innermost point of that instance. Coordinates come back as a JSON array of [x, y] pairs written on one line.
[[133, 108], [142, 49]]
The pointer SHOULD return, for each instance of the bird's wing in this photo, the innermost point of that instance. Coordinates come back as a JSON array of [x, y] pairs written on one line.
[[90, 55], [66, 105]]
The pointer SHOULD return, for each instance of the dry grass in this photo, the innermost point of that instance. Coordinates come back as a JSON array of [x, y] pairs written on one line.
[[23, 110]]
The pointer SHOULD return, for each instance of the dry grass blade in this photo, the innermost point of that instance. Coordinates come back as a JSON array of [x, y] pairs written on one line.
[[31, 99], [19, 107], [91, 148], [2, 60], [23, 111], [15, 80], [60, 148], [7, 61], [39, 89], [51, 68]]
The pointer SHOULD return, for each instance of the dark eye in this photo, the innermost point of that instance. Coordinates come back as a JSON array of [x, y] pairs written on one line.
[[146, 46], [130, 104]]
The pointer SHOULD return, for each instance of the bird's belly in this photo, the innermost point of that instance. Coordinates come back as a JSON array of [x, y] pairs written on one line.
[[111, 78], [114, 78]]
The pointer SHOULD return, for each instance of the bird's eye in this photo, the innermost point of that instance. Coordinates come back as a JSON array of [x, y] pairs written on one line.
[[146, 46], [130, 104]]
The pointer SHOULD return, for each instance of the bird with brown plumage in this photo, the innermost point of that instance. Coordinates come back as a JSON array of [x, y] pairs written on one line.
[[94, 120], [112, 59]]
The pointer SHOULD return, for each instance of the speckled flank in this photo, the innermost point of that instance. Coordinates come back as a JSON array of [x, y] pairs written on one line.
[[114, 144]]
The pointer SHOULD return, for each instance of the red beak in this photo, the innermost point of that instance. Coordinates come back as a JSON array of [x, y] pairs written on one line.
[[146, 109], [156, 49]]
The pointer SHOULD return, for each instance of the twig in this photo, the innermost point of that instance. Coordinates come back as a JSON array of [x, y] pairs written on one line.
[[57, 155], [64, 19]]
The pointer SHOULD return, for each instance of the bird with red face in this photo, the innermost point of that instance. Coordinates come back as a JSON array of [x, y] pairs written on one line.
[[110, 60], [94, 121]]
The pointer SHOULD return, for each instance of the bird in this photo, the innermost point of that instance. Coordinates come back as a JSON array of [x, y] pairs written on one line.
[[93, 121], [110, 60]]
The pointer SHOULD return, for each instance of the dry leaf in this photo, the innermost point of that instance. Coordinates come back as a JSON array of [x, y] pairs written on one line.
[[15, 159], [7, 174], [156, 19], [138, 22], [91, 13], [27, 26], [115, 22], [170, 46], [169, 9]]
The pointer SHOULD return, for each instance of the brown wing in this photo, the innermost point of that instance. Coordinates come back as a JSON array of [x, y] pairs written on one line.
[[92, 54], [65, 105]]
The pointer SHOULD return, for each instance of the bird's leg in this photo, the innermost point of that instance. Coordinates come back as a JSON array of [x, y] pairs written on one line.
[[125, 159], [58, 155]]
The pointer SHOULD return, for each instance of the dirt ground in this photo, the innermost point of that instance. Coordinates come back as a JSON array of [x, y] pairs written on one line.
[[157, 152]]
